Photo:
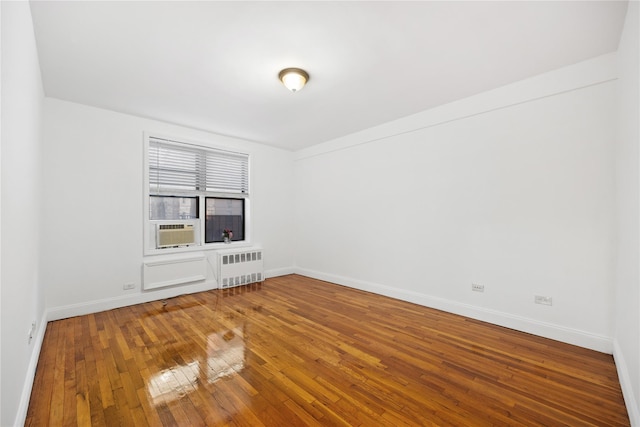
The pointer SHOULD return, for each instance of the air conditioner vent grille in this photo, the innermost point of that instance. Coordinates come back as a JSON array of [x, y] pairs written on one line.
[[173, 226], [171, 235]]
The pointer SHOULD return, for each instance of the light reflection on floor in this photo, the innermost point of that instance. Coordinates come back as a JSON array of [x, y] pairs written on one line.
[[225, 357], [173, 383]]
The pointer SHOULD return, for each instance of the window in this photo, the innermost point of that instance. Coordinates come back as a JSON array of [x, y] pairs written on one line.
[[173, 207], [204, 189], [224, 214]]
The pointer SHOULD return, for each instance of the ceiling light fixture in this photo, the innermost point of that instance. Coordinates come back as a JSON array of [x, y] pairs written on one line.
[[293, 78]]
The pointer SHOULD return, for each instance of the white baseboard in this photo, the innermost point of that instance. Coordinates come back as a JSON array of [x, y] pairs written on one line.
[[548, 330], [275, 272], [96, 306], [626, 384], [63, 312], [21, 416]]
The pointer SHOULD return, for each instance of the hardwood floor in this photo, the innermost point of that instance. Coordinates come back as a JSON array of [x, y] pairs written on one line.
[[295, 351]]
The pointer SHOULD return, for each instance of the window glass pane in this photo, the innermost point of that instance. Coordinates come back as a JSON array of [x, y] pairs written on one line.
[[170, 207], [224, 214]]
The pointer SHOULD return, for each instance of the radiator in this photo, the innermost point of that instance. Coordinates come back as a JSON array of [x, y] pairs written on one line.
[[240, 267]]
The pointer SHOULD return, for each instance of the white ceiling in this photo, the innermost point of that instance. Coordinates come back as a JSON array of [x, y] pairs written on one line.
[[214, 65]]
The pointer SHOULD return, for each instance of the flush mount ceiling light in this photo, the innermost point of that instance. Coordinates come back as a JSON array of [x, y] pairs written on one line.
[[293, 78]]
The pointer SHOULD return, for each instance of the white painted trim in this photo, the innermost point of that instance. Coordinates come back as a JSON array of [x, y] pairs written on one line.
[[80, 309], [276, 272], [25, 397], [173, 259], [548, 330], [626, 384], [63, 312]]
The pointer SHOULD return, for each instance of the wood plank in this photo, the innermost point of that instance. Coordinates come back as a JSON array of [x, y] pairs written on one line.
[[297, 351]]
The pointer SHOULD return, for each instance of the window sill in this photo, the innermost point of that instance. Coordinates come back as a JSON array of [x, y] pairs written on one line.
[[197, 248]]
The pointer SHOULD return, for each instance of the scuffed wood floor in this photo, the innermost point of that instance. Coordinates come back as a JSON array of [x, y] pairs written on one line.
[[295, 351]]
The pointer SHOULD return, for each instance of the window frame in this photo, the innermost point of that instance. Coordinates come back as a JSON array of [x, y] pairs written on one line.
[[197, 200], [244, 218], [149, 225]]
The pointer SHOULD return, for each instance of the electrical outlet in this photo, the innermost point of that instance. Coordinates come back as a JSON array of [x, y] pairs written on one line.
[[32, 331], [127, 286], [477, 288], [543, 300]]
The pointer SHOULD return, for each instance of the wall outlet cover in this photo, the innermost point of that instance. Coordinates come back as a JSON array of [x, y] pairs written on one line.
[[539, 299], [477, 287]]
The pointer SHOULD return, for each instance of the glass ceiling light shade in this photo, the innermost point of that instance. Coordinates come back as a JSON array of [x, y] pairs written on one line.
[[294, 79]]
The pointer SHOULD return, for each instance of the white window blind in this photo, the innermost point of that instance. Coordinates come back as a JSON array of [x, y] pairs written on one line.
[[186, 168]]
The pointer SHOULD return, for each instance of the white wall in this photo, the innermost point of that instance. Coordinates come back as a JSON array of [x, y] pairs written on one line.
[[627, 303], [512, 189], [22, 298], [93, 236]]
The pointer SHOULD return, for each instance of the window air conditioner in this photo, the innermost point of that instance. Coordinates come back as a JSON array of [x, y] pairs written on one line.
[[170, 235]]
